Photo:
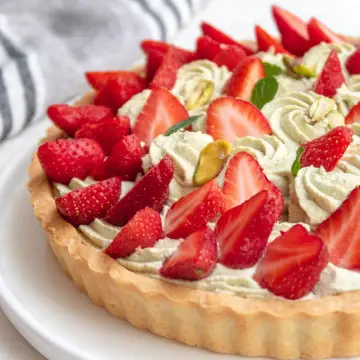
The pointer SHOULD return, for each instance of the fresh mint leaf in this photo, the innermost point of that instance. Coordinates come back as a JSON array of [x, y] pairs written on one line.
[[296, 165], [181, 125], [272, 70], [264, 91]]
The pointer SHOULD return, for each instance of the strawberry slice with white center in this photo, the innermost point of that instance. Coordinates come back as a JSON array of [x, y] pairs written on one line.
[[242, 232], [193, 211], [292, 263], [319, 33], [152, 190], [229, 118], [243, 79], [341, 233], [354, 115], [244, 178], [161, 111], [194, 259]]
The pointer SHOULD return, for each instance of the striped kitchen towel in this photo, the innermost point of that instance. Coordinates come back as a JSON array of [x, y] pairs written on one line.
[[46, 45]]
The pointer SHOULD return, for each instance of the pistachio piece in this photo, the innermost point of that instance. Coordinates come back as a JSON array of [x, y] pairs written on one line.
[[320, 109], [201, 95], [289, 64], [304, 71], [212, 160], [296, 70]]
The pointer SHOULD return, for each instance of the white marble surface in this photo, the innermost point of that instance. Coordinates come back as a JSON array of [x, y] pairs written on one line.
[[235, 16]]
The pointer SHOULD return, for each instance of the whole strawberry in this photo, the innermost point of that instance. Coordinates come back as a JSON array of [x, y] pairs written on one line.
[[65, 159]]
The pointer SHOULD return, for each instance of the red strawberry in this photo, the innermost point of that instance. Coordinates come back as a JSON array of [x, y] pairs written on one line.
[[340, 232], [244, 78], [71, 118], [353, 63], [292, 263], [161, 111], [354, 115], [107, 133], [63, 159], [326, 150], [82, 206], [163, 47], [331, 77], [193, 211], [150, 191], [144, 230], [243, 231], [166, 73], [294, 32], [222, 38], [118, 90], [98, 79], [319, 32], [124, 160], [265, 41], [154, 60], [194, 259], [230, 56], [229, 118], [244, 178], [207, 48]]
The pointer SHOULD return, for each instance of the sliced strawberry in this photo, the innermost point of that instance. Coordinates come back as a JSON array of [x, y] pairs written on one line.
[[124, 160], [107, 133], [222, 38], [144, 230], [162, 46], [340, 232], [229, 118], [166, 73], [319, 32], [244, 178], [353, 63], [230, 56], [70, 118], [294, 32], [153, 62], [208, 48], [150, 191], [118, 90], [82, 206], [292, 263], [244, 78], [98, 79], [331, 76], [326, 150], [265, 41], [64, 159], [354, 115], [161, 111], [194, 259], [243, 231], [193, 211]]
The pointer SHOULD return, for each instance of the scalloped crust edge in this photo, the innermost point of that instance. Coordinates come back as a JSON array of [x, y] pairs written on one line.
[[320, 328]]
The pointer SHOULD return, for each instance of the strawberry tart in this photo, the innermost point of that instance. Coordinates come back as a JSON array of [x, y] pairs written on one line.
[[213, 196]]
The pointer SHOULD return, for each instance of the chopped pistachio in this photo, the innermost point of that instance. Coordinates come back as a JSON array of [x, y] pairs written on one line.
[[201, 95]]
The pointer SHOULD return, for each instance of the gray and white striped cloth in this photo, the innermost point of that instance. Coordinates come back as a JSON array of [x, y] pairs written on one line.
[[46, 45]]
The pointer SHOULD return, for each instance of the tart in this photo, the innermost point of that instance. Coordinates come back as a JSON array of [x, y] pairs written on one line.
[[211, 197]]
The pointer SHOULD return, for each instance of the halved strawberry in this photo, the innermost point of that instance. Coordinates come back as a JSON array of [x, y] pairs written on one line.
[[319, 32], [107, 133], [244, 178], [244, 78], [64, 159], [341, 233], [116, 91], [208, 48], [265, 41], [331, 76], [193, 211], [294, 32], [98, 79], [326, 150], [216, 34], [353, 63], [354, 115], [82, 206], [152, 190], [194, 259], [71, 118], [144, 230], [230, 56], [243, 231], [229, 118], [124, 160], [162, 46], [153, 62], [292, 263], [161, 111]]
